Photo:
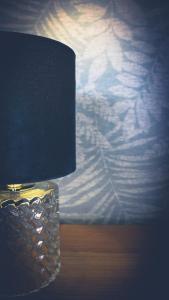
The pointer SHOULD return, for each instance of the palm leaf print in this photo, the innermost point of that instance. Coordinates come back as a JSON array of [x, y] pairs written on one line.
[[122, 107]]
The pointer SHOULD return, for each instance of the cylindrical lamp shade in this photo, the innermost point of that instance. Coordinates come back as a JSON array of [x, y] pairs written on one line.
[[37, 108]]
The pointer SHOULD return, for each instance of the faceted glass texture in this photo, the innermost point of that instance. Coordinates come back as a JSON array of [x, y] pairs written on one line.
[[29, 238]]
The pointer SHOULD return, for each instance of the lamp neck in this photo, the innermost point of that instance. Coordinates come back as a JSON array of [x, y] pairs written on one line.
[[14, 187]]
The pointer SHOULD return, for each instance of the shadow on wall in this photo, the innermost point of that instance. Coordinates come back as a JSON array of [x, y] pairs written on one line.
[[122, 103]]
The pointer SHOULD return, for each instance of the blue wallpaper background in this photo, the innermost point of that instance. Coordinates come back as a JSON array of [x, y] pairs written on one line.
[[122, 55]]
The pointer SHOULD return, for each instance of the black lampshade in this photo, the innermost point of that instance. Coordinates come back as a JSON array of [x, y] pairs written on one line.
[[37, 108]]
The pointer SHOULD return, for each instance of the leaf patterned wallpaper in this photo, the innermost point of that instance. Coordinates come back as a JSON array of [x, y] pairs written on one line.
[[122, 50]]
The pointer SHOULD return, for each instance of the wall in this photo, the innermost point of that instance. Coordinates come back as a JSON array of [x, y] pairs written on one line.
[[122, 49]]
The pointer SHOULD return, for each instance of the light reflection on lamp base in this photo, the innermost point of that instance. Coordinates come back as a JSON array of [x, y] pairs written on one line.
[[29, 238]]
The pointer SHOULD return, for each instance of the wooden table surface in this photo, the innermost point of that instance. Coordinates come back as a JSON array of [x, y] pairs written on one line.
[[109, 262]]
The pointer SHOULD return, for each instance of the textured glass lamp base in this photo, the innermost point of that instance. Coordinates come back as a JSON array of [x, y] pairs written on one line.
[[29, 239]]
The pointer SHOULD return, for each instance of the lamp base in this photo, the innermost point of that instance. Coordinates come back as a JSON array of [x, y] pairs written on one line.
[[29, 238]]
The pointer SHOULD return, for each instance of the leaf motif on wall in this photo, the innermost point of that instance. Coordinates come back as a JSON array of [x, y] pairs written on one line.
[[120, 107], [95, 28], [69, 25], [121, 30], [130, 80], [135, 69], [97, 69], [102, 108], [56, 30], [102, 141], [114, 52], [86, 129], [143, 117], [138, 57], [151, 103], [130, 124], [90, 12], [143, 46], [122, 91], [94, 47]]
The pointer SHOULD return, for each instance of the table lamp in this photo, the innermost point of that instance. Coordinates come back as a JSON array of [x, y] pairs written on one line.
[[37, 134]]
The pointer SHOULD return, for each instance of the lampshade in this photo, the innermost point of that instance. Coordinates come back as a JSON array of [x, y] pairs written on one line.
[[37, 108]]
